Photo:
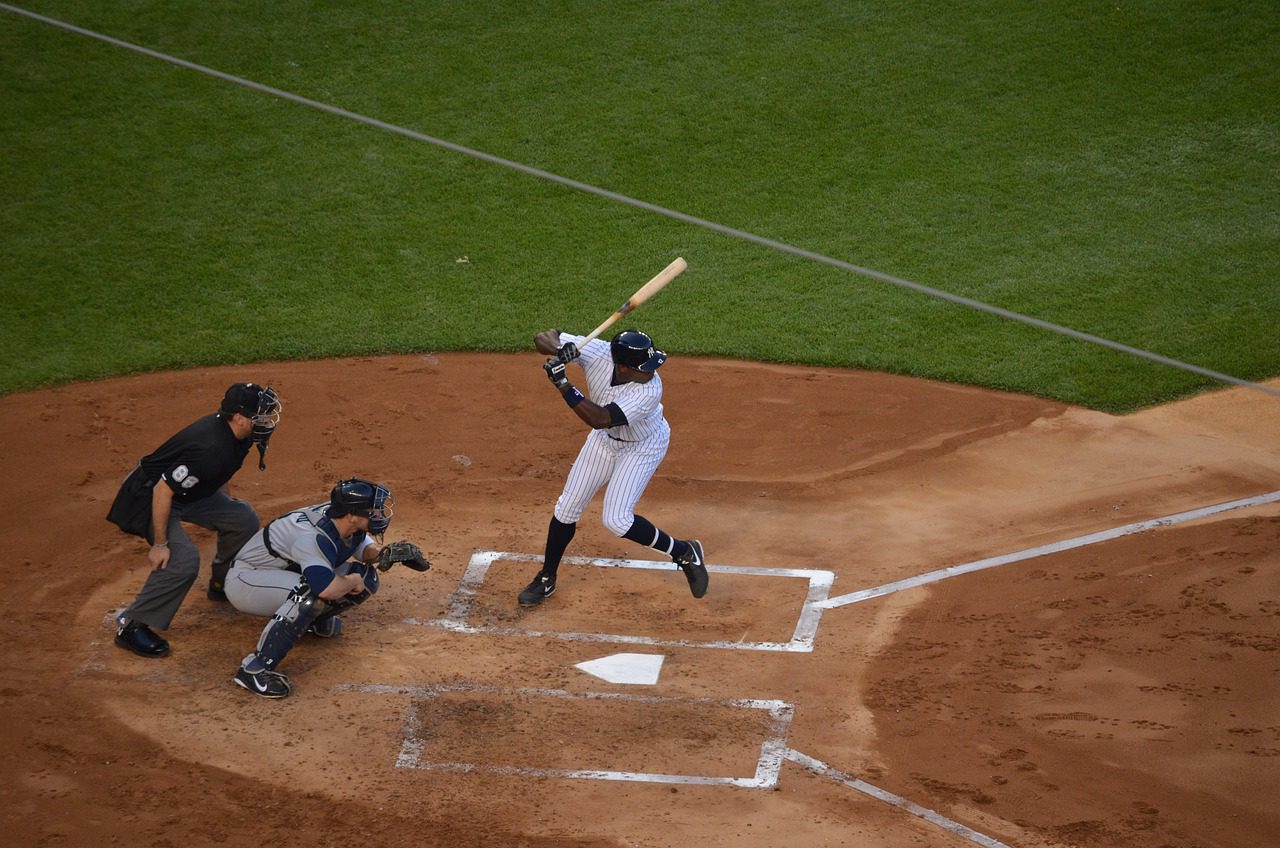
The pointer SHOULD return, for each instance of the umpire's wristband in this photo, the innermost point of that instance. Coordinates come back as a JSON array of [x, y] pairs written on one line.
[[573, 397]]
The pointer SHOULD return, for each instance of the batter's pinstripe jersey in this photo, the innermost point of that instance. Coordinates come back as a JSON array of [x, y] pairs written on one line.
[[640, 402]]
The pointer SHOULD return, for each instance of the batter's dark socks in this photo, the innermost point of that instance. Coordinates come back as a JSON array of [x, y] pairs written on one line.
[[643, 531], [559, 535]]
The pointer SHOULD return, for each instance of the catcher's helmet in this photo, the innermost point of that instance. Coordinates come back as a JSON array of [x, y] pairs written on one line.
[[635, 349], [361, 497]]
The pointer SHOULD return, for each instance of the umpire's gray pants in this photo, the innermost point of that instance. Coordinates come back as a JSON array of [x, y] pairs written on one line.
[[233, 520]]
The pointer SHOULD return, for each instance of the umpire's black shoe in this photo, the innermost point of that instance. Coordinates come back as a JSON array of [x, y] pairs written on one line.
[[694, 567], [140, 639], [538, 591]]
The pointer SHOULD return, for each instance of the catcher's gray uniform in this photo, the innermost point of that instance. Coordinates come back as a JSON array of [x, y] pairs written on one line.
[[304, 546], [307, 566]]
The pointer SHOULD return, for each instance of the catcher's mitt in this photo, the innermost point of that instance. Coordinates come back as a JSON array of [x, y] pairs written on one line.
[[407, 553]]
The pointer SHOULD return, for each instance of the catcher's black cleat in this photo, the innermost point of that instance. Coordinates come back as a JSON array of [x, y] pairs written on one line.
[[215, 592], [694, 567], [139, 638], [268, 684], [537, 591]]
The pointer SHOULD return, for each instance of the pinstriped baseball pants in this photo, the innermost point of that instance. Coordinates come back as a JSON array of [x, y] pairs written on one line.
[[626, 467]]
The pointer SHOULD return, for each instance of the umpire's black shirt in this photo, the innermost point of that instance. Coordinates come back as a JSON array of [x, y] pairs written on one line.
[[198, 460]]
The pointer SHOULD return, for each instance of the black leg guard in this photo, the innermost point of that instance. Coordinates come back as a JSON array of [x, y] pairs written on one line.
[[346, 602], [284, 628]]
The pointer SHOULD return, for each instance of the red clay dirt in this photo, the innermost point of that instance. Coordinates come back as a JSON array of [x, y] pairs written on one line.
[[1122, 692]]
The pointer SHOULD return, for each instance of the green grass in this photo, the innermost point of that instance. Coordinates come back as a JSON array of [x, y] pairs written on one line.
[[1111, 169]]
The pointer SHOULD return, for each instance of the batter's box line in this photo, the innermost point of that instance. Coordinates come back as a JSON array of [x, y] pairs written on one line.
[[773, 749], [802, 638]]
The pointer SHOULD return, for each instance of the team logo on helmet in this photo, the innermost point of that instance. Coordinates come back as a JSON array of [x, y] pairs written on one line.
[[635, 350]]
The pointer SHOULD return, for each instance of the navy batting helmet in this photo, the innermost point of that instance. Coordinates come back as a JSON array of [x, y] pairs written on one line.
[[635, 349], [361, 497]]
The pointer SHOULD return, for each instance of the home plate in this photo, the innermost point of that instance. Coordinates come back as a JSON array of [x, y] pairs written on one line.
[[639, 669]]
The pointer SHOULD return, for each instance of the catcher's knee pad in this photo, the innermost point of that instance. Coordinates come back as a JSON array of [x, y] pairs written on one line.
[[282, 631]]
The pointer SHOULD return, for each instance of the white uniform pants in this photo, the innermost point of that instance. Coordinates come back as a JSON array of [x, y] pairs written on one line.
[[626, 467]]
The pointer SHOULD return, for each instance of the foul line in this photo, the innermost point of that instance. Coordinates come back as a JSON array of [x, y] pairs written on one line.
[[650, 207], [1055, 547], [821, 768]]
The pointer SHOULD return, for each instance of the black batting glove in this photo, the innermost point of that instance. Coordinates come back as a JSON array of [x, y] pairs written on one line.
[[555, 373], [567, 352]]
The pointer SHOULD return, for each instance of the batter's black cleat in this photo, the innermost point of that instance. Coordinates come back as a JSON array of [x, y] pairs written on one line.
[[268, 684], [694, 567], [141, 639], [538, 591]]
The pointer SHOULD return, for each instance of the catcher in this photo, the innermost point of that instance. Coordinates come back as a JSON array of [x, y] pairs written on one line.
[[306, 568]]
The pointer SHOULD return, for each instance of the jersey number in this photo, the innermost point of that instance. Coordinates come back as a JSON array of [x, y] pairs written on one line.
[[183, 476]]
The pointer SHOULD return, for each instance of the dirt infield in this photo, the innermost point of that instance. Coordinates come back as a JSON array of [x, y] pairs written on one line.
[[1119, 692]]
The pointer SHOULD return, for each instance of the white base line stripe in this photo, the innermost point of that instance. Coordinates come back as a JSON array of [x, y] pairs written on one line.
[[713, 226], [821, 768], [413, 747], [802, 638], [1055, 547]]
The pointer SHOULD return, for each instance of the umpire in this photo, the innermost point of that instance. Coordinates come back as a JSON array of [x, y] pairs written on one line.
[[194, 466]]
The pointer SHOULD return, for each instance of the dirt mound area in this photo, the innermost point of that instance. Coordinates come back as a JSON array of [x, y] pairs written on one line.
[[1121, 691]]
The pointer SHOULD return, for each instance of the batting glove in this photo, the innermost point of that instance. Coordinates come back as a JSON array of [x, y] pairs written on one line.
[[555, 373]]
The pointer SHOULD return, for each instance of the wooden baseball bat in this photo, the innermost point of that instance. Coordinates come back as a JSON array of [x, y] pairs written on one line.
[[645, 292]]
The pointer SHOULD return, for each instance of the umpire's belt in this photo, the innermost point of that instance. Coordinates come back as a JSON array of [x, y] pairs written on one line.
[[266, 541]]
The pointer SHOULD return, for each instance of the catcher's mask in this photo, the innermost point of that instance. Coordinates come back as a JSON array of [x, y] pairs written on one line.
[[635, 349], [361, 497], [262, 406]]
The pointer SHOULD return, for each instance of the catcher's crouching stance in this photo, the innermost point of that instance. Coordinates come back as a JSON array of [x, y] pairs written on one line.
[[308, 566]]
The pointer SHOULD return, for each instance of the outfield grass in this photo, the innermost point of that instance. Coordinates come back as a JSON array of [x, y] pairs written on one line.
[[1111, 169]]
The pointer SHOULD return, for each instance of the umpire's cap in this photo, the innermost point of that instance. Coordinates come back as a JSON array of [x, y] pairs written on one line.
[[251, 401], [635, 349]]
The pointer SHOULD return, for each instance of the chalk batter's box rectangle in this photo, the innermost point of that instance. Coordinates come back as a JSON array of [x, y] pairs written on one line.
[[806, 628], [415, 751]]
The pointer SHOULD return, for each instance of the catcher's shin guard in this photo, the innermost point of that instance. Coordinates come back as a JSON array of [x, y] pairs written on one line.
[[298, 611]]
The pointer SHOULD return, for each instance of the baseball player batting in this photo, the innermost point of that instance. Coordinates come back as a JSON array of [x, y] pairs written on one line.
[[627, 443]]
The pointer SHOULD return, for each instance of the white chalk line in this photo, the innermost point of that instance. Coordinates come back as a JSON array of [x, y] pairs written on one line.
[[821, 768], [412, 749], [713, 226], [802, 638], [1042, 550]]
